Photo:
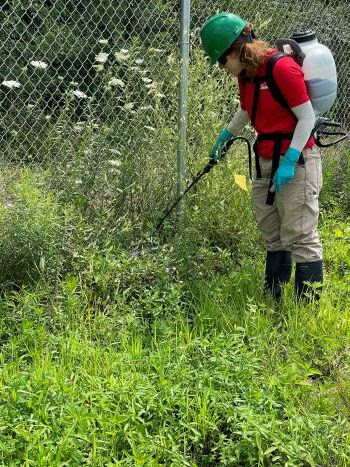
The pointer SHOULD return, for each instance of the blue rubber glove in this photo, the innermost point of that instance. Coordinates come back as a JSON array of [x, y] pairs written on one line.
[[286, 169], [215, 152]]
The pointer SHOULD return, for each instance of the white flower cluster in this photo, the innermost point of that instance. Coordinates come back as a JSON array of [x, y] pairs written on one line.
[[79, 94], [101, 57], [122, 56], [11, 84], [116, 82], [39, 65], [114, 162]]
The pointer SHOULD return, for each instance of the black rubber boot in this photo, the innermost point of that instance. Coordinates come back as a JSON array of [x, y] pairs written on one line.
[[305, 274], [278, 271]]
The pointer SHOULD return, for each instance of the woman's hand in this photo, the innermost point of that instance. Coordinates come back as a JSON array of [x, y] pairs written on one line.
[[286, 169], [215, 152]]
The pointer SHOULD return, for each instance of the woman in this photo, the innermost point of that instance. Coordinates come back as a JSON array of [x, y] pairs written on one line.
[[288, 165]]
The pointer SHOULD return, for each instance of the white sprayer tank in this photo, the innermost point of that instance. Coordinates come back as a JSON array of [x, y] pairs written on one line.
[[319, 69]]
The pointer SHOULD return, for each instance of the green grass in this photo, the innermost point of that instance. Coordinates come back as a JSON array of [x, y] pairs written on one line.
[[167, 372], [166, 353]]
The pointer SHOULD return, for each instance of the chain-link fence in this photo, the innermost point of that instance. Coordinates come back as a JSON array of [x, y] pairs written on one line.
[[89, 96], [89, 93]]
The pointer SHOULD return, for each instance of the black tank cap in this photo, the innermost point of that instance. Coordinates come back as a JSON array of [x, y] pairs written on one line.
[[303, 36]]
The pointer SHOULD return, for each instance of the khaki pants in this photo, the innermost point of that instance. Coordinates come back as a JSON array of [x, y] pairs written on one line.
[[291, 222]]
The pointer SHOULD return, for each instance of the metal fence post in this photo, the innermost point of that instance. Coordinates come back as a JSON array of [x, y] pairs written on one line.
[[183, 98]]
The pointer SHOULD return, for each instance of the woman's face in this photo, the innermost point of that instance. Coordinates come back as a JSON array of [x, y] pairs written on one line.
[[232, 64]]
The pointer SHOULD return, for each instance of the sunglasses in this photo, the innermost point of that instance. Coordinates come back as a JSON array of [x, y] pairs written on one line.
[[223, 58]]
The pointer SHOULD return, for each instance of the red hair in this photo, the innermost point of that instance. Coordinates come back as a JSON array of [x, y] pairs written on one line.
[[251, 54]]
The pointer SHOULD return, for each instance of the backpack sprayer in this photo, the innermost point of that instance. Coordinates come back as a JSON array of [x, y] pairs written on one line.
[[320, 76]]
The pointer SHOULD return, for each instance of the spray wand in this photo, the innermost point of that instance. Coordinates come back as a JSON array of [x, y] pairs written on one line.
[[199, 175]]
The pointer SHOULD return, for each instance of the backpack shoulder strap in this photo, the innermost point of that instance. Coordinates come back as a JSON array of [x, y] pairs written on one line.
[[277, 94]]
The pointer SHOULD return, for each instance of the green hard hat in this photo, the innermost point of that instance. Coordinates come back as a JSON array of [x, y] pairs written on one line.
[[219, 32]]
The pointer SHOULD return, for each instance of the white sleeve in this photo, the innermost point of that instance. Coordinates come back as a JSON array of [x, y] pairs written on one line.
[[239, 121], [306, 122]]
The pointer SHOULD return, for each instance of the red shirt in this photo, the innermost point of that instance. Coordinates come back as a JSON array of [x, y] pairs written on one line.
[[271, 116]]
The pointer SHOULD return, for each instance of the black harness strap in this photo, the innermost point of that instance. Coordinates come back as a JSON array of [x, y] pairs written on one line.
[[255, 101], [277, 138], [275, 163], [257, 80], [257, 163]]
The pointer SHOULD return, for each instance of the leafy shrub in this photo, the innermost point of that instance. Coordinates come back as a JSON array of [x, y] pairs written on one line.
[[35, 230], [335, 194]]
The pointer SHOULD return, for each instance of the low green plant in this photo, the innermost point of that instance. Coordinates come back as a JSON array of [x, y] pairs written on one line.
[[335, 197], [126, 362]]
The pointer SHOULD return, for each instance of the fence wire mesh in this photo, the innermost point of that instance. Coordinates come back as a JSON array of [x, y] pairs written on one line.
[[89, 95], [89, 92]]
